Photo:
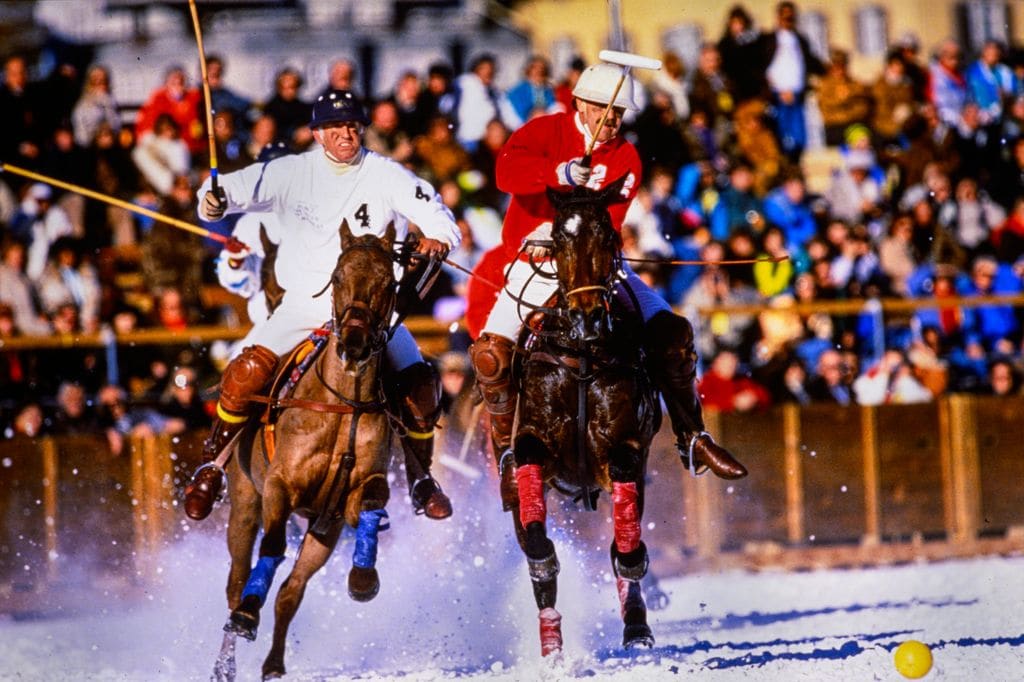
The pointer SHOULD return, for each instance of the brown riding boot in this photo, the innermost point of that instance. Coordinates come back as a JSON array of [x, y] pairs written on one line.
[[245, 376], [672, 364], [418, 402], [492, 361]]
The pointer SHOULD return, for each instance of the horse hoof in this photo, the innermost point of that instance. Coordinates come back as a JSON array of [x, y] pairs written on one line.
[[363, 583], [637, 636], [274, 673], [245, 620]]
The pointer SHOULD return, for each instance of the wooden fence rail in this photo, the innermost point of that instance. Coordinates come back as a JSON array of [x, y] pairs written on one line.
[[828, 486]]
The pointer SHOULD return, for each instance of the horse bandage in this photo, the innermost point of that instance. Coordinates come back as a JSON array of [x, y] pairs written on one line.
[[626, 514], [531, 494]]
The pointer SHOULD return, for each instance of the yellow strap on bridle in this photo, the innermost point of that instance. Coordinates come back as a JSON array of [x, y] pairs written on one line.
[[230, 418]]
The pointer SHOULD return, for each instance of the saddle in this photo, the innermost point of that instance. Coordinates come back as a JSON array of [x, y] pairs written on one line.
[[277, 395]]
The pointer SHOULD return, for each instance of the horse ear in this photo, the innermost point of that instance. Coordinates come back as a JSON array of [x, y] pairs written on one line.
[[556, 198], [611, 192], [389, 235], [346, 234]]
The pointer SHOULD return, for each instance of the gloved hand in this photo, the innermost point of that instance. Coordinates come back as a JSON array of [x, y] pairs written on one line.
[[239, 275], [432, 247], [214, 204], [236, 251], [573, 173], [541, 233]]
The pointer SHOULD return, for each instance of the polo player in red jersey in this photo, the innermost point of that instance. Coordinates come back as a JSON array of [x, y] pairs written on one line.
[[548, 152]]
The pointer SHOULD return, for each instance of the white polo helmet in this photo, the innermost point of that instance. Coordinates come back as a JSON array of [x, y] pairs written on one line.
[[597, 83]]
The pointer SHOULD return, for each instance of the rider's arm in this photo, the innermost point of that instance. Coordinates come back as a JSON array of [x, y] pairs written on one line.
[[415, 199]]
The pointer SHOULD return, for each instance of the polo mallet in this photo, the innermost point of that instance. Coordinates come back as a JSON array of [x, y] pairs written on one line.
[[627, 61], [114, 201], [206, 96]]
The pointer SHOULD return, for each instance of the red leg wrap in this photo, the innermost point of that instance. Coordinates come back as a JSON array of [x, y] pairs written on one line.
[[627, 517], [550, 631], [531, 494]]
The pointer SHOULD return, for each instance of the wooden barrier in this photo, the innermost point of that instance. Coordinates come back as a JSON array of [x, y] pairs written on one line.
[[827, 486]]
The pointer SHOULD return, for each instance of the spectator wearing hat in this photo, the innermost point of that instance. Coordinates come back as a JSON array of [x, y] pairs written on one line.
[[289, 111], [843, 100], [39, 223], [179, 102]]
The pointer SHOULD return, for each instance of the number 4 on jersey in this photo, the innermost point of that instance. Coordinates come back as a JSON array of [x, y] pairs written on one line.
[[363, 216]]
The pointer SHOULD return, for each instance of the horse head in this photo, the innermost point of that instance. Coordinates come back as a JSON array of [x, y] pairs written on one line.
[[585, 248], [363, 295]]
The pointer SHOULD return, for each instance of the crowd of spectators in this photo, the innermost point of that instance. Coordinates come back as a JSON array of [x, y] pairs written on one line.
[[925, 199]]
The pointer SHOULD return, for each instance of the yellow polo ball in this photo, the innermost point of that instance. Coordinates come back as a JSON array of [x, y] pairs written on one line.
[[913, 659]]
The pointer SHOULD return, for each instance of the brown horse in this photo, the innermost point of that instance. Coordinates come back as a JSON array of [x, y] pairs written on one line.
[[328, 462], [587, 412]]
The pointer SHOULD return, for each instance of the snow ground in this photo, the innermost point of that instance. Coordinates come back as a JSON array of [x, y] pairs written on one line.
[[471, 616]]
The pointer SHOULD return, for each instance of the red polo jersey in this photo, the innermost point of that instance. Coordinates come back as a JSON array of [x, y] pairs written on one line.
[[526, 168]]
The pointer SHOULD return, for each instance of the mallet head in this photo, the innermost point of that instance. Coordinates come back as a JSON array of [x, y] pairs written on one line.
[[628, 59]]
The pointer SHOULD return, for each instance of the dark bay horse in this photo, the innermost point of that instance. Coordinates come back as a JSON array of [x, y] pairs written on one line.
[[328, 462], [587, 412]]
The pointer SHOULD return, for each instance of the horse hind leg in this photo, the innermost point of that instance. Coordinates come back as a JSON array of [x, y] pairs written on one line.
[[629, 562], [540, 551], [313, 554]]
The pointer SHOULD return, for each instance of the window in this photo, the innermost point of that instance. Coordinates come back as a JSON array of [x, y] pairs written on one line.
[[872, 25], [814, 26], [685, 40], [981, 20]]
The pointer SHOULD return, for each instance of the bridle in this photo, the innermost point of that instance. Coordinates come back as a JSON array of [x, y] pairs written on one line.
[[359, 314]]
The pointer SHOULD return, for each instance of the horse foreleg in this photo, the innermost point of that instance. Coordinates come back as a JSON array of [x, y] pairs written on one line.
[[245, 618], [540, 554], [363, 581], [243, 526], [313, 554], [629, 561]]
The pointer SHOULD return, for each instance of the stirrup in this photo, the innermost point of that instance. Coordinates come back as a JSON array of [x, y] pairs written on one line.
[[224, 476], [689, 455], [508, 457]]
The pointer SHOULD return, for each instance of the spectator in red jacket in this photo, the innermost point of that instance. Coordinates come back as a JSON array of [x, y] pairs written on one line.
[[181, 103], [723, 390]]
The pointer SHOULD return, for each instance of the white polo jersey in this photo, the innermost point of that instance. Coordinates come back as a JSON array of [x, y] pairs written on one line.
[[310, 195]]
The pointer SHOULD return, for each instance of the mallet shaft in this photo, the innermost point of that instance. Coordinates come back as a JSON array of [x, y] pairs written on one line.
[[114, 201]]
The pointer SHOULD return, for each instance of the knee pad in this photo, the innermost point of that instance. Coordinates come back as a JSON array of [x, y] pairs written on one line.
[[245, 376]]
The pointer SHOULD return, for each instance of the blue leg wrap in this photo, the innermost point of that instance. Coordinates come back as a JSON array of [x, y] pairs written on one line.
[[370, 523], [261, 577]]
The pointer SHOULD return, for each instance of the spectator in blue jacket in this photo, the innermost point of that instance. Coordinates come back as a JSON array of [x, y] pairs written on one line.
[[787, 207], [990, 83], [534, 94]]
